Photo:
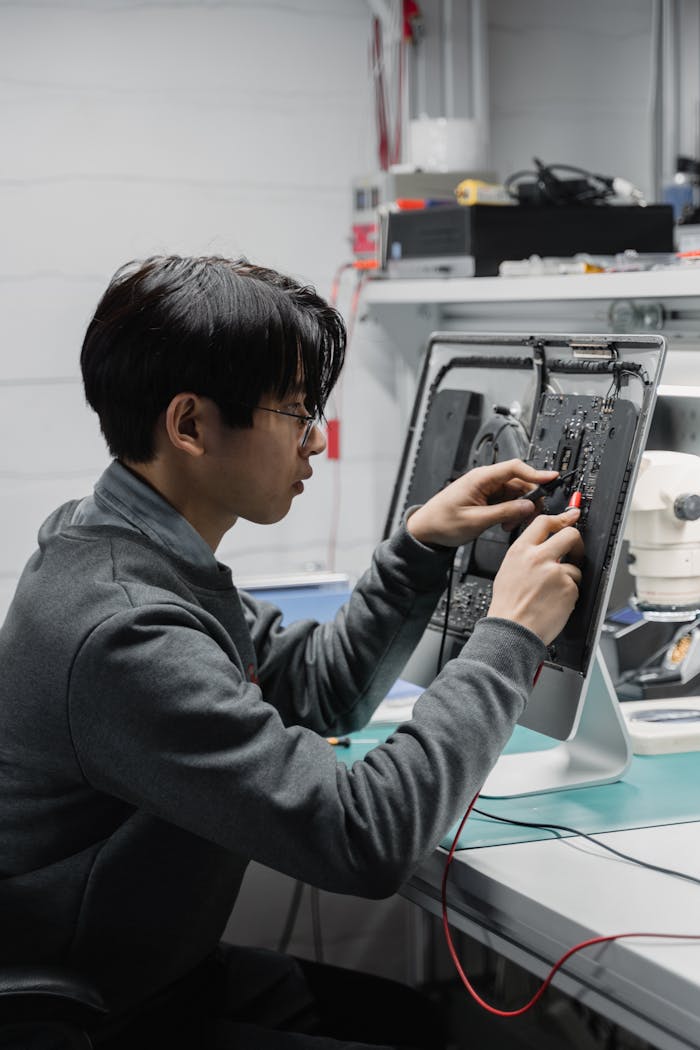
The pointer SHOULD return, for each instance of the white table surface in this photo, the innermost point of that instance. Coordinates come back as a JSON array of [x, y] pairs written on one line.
[[532, 901]]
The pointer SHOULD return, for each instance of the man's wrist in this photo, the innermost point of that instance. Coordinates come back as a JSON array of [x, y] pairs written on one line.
[[422, 536]]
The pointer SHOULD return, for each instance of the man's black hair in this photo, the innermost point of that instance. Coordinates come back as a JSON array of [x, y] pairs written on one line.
[[225, 329]]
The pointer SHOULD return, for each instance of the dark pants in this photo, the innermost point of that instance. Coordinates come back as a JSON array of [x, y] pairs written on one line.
[[254, 999]]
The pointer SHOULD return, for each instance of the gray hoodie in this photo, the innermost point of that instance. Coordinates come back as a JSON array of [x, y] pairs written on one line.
[[159, 729]]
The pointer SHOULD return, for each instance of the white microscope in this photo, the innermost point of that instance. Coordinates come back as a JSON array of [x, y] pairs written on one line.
[[663, 533]]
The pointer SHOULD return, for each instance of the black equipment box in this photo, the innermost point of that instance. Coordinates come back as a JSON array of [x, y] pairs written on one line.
[[465, 241]]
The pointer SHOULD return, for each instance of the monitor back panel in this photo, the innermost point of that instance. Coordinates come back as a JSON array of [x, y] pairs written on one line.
[[577, 404]]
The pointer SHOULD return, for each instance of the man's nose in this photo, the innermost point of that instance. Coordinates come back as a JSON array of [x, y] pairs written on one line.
[[316, 442]]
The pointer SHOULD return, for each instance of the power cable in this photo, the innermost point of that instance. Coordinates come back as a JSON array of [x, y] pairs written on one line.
[[590, 942]]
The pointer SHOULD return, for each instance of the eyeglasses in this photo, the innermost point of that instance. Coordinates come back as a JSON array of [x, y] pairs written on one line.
[[309, 421]]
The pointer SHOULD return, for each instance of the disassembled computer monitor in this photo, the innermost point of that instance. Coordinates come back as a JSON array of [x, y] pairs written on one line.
[[581, 405]]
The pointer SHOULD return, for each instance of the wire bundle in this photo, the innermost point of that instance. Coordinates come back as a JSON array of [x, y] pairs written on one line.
[[544, 187]]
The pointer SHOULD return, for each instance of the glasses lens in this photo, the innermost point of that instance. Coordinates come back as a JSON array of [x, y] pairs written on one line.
[[307, 431]]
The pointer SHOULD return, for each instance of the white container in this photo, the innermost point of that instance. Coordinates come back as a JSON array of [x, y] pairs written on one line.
[[446, 144]]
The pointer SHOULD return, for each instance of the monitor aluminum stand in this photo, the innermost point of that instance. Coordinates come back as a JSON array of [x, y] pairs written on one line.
[[598, 752]]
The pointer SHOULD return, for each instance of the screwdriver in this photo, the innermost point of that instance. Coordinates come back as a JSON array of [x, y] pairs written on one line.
[[346, 741], [548, 486]]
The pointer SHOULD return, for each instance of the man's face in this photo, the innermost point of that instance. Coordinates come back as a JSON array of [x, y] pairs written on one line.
[[255, 473]]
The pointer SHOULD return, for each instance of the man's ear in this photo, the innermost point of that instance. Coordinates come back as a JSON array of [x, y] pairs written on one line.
[[184, 424]]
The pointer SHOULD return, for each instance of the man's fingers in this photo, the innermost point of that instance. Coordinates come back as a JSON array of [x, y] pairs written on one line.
[[516, 487], [549, 527], [573, 572], [501, 473], [508, 514], [567, 543]]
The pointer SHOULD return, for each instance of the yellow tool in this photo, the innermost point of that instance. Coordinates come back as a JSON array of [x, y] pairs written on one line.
[[474, 191]]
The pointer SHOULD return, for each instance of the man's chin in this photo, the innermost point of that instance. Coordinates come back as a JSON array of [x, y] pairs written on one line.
[[270, 517]]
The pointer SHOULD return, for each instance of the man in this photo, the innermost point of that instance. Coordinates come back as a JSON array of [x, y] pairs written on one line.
[[159, 729]]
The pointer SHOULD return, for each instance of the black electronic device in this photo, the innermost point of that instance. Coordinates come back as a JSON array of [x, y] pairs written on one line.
[[466, 241], [577, 404]]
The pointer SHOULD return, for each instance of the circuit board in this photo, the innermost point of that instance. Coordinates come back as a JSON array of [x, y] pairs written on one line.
[[591, 437], [573, 433]]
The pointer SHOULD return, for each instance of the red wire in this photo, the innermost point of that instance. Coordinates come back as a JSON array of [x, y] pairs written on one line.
[[557, 965], [335, 284], [380, 97], [396, 149]]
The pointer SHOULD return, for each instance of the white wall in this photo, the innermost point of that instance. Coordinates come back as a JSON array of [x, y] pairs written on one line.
[[572, 83], [131, 128], [135, 127]]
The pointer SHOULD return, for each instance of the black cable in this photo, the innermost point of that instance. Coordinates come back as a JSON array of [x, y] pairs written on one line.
[[447, 611], [292, 914], [539, 365], [546, 188], [316, 923], [508, 423], [623, 369], [591, 838]]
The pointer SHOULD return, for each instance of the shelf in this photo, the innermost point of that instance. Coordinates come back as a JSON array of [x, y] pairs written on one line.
[[649, 284]]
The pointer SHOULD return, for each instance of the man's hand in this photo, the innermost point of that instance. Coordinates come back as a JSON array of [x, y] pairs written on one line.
[[533, 586], [482, 497]]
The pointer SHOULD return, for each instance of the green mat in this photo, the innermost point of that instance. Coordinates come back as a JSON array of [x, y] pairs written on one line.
[[657, 789]]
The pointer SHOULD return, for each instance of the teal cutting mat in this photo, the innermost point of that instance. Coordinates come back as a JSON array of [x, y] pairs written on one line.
[[657, 789]]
